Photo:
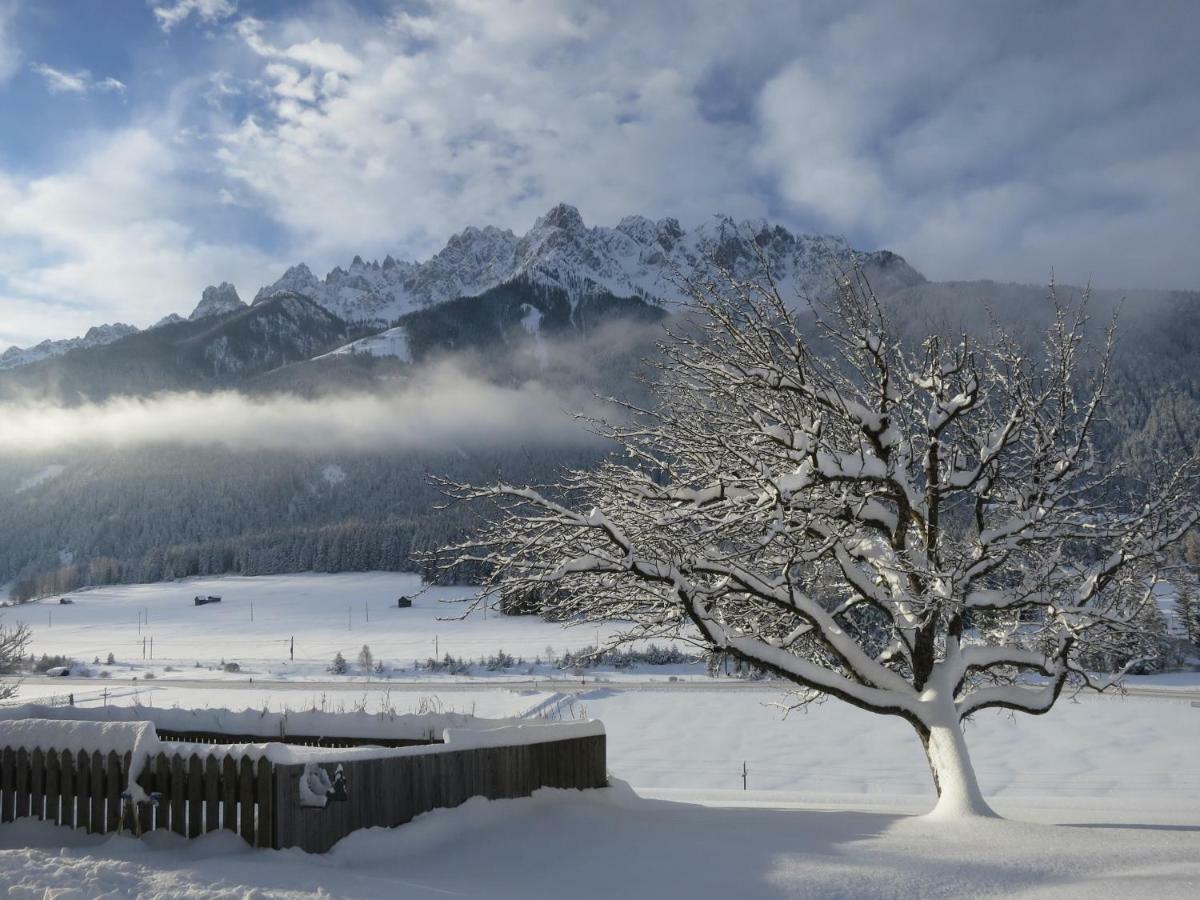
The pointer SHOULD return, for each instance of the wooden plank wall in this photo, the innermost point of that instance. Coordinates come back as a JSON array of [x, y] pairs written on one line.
[[391, 791]]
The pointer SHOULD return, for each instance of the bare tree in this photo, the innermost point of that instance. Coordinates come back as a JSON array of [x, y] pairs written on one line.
[[13, 642], [923, 533]]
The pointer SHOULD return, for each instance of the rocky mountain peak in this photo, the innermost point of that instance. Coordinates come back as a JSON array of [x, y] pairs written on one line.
[[217, 300], [562, 216]]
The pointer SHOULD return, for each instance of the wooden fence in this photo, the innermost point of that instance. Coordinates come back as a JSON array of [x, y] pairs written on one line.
[[261, 801], [392, 790], [80, 790]]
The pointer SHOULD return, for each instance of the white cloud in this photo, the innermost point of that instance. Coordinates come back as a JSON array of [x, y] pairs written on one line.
[[443, 408], [113, 235], [171, 14], [503, 109], [60, 82], [993, 142]]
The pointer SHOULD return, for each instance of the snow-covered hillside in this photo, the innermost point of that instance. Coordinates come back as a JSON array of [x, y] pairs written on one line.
[[392, 342], [637, 257]]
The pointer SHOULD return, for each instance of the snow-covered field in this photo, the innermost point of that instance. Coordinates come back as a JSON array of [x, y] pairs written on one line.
[[257, 619], [1103, 794]]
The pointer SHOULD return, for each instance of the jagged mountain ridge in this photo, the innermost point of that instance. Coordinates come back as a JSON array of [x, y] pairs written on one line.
[[211, 351], [636, 258], [96, 336]]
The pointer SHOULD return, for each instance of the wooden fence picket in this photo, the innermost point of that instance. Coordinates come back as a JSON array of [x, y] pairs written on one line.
[[83, 791], [68, 788], [195, 795], [178, 797], [37, 784], [229, 793], [8, 784], [246, 800], [162, 784], [114, 784], [53, 787], [212, 794]]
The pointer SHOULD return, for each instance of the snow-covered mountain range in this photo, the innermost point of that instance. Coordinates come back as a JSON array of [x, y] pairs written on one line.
[[96, 336], [638, 257]]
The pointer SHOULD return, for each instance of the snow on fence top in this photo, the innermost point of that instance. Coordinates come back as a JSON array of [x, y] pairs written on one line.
[[458, 731]]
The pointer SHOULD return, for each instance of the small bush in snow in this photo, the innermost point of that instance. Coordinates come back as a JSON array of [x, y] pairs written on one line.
[[366, 661], [230, 667], [111, 660], [500, 661], [338, 666], [449, 664]]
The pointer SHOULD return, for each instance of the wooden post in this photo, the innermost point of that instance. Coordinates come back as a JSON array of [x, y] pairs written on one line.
[[264, 790], [246, 800], [37, 784], [8, 784], [178, 797], [195, 795], [97, 793], [229, 794], [162, 784], [212, 794], [114, 785], [68, 789], [53, 782], [145, 810], [22, 808]]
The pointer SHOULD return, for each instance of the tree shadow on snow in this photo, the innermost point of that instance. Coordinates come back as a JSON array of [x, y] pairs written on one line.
[[1136, 826]]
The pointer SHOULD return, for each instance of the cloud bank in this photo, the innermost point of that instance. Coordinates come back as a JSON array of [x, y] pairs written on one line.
[[441, 410]]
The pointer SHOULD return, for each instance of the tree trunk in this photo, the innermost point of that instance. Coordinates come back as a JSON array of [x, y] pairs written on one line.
[[958, 790]]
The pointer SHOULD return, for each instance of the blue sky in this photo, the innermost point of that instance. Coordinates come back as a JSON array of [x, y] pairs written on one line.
[[151, 147]]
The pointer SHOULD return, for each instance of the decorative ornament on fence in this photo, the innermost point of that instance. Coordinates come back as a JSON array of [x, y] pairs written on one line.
[[316, 789]]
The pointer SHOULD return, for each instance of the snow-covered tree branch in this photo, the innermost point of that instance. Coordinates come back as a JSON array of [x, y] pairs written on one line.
[[13, 642], [924, 532]]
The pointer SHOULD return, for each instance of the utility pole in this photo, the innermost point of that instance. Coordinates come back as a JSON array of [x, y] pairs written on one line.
[[143, 646], [251, 610], [743, 775], [139, 621], [366, 612], [49, 618], [435, 647], [152, 646], [292, 649]]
